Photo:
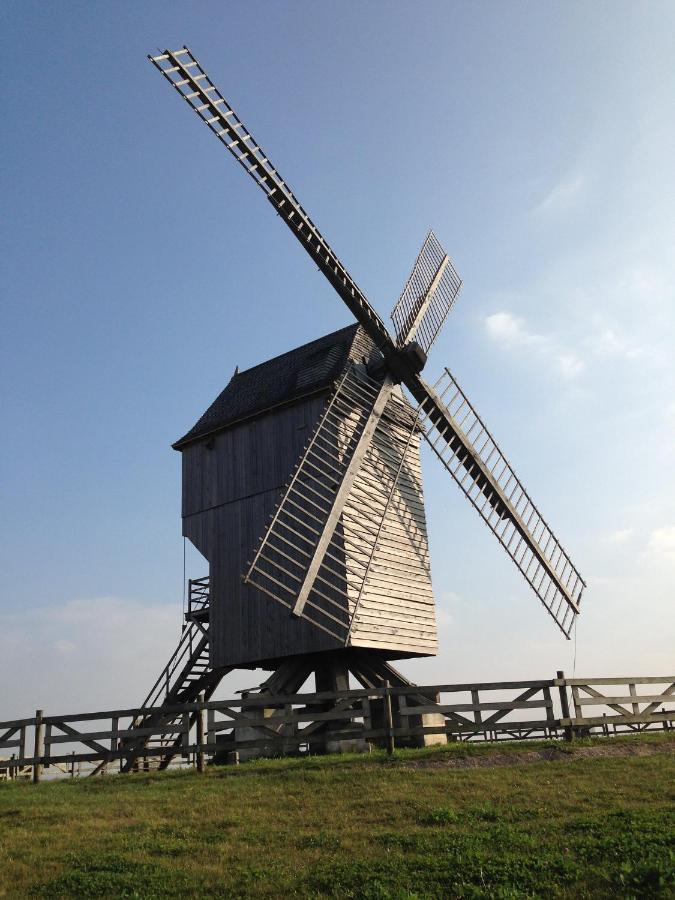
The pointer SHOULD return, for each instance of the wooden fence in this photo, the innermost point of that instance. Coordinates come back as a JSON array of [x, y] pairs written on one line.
[[264, 725]]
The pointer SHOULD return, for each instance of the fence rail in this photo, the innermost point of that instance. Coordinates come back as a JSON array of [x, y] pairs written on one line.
[[266, 725]]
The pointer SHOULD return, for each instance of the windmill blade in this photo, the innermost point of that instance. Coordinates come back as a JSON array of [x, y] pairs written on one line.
[[468, 451], [184, 73], [428, 296], [303, 536]]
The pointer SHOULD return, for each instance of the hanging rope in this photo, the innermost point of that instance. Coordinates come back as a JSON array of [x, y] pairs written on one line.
[[184, 608], [574, 664]]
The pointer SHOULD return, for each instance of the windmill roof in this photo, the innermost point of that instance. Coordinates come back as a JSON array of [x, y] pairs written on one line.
[[291, 375]]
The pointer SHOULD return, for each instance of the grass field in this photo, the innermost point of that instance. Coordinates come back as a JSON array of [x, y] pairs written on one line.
[[466, 821]]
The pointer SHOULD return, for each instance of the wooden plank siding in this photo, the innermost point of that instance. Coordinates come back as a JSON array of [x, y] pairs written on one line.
[[229, 491], [395, 609], [232, 482]]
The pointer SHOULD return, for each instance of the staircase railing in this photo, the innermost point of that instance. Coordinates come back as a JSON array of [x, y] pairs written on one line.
[[193, 634], [198, 597]]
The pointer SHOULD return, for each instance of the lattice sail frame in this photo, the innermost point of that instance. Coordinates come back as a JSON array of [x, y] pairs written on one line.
[[182, 70], [428, 296], [281, 561], [561, 594]]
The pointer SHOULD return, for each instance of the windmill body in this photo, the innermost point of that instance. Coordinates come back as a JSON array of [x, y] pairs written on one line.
[[237, 461]]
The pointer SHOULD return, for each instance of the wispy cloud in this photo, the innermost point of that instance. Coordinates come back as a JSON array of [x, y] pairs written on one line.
[[91, 653], [662, 542], [619, 537], [513, 332], [447, 608], [609, 343], [600, 341], [85, 653], [563, 196], [669, 422]]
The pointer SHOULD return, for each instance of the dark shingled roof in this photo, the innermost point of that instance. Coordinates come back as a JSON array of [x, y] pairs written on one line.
[[301, 371]]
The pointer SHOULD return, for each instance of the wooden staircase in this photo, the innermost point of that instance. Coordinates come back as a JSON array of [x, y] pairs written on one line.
[[185, 677]]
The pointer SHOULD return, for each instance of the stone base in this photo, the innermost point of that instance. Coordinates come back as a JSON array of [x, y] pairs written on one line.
[[428, 720], [243, 733], [350, 745]]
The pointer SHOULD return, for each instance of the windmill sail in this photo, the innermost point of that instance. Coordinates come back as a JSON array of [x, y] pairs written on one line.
[[461, 441], [295, 552], [185, 74], [428, 296]]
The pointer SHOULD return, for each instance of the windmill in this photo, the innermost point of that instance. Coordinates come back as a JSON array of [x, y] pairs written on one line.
[[302, 483]]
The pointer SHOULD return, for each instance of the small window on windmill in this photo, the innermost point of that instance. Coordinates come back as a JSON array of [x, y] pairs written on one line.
[[317, 367]]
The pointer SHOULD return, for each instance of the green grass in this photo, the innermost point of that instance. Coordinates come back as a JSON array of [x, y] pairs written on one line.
[[354, 826]]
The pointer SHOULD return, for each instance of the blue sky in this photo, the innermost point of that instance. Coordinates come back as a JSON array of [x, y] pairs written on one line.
[[140, 266]]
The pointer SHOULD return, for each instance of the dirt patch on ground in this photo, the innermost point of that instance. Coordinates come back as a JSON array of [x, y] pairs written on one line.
[[548, 754]]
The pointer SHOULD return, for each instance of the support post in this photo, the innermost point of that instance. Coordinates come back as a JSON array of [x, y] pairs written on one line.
[[38, 747], [477, 715], [389, 719], [565, 706], [201, 715]]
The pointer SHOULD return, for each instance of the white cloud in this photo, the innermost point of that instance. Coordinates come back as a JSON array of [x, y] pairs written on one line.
[[608, 343], [569, 364], [98, 652], [86, 654], [446, 609], [505, 327], [649, 282], [65, 648], [669, 417], [598, 339], [512, 332], [563, 196], [620, 536], [662, 542]]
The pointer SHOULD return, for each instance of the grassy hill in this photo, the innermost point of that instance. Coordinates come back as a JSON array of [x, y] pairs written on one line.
[[466, 821]]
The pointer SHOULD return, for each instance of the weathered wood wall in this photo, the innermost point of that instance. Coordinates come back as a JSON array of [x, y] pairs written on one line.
[[231, 484]]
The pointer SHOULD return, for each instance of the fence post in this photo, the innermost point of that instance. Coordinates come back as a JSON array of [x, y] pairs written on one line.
[[38, 747], [477, 715], [22, 742], [565, 706], [389, 719], [200, 734]]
